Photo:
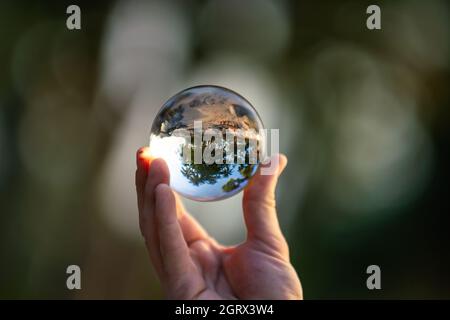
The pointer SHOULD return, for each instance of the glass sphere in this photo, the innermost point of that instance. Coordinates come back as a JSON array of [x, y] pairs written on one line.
[[211, 139]]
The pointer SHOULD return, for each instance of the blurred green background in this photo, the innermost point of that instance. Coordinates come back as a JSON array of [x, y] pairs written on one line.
[[363, 118]]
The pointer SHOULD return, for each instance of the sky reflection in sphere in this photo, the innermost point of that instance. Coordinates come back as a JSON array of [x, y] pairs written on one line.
[[235, 147]]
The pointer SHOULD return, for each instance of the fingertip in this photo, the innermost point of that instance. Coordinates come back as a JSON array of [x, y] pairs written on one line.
[[261, 182], [279, 160], [283, 161], [143, 157], [158, 167], [140, 151], [143, 152], [142, 163]]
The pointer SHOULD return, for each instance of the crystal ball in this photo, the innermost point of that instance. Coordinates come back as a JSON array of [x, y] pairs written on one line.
[[212, 140]]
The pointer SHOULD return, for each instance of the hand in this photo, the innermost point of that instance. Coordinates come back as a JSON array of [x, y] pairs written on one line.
[[192, 265]]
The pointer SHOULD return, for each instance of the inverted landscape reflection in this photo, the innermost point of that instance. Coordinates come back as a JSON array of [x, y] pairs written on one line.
[[220, 111]]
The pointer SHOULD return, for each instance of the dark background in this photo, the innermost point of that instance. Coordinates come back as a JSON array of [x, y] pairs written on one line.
[[363, 118]]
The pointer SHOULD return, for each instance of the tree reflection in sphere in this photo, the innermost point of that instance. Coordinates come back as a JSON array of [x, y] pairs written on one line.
[[211, 139]]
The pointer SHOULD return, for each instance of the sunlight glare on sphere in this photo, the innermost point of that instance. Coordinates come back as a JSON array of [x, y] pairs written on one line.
[[211, 139]]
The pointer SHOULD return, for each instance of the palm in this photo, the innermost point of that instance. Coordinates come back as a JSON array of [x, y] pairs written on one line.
[[249, 271]]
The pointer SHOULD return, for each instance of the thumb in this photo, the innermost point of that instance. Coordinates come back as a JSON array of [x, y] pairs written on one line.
[[259, 207]]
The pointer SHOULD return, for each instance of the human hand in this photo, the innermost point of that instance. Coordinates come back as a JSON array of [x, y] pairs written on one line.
[[192, 265]]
